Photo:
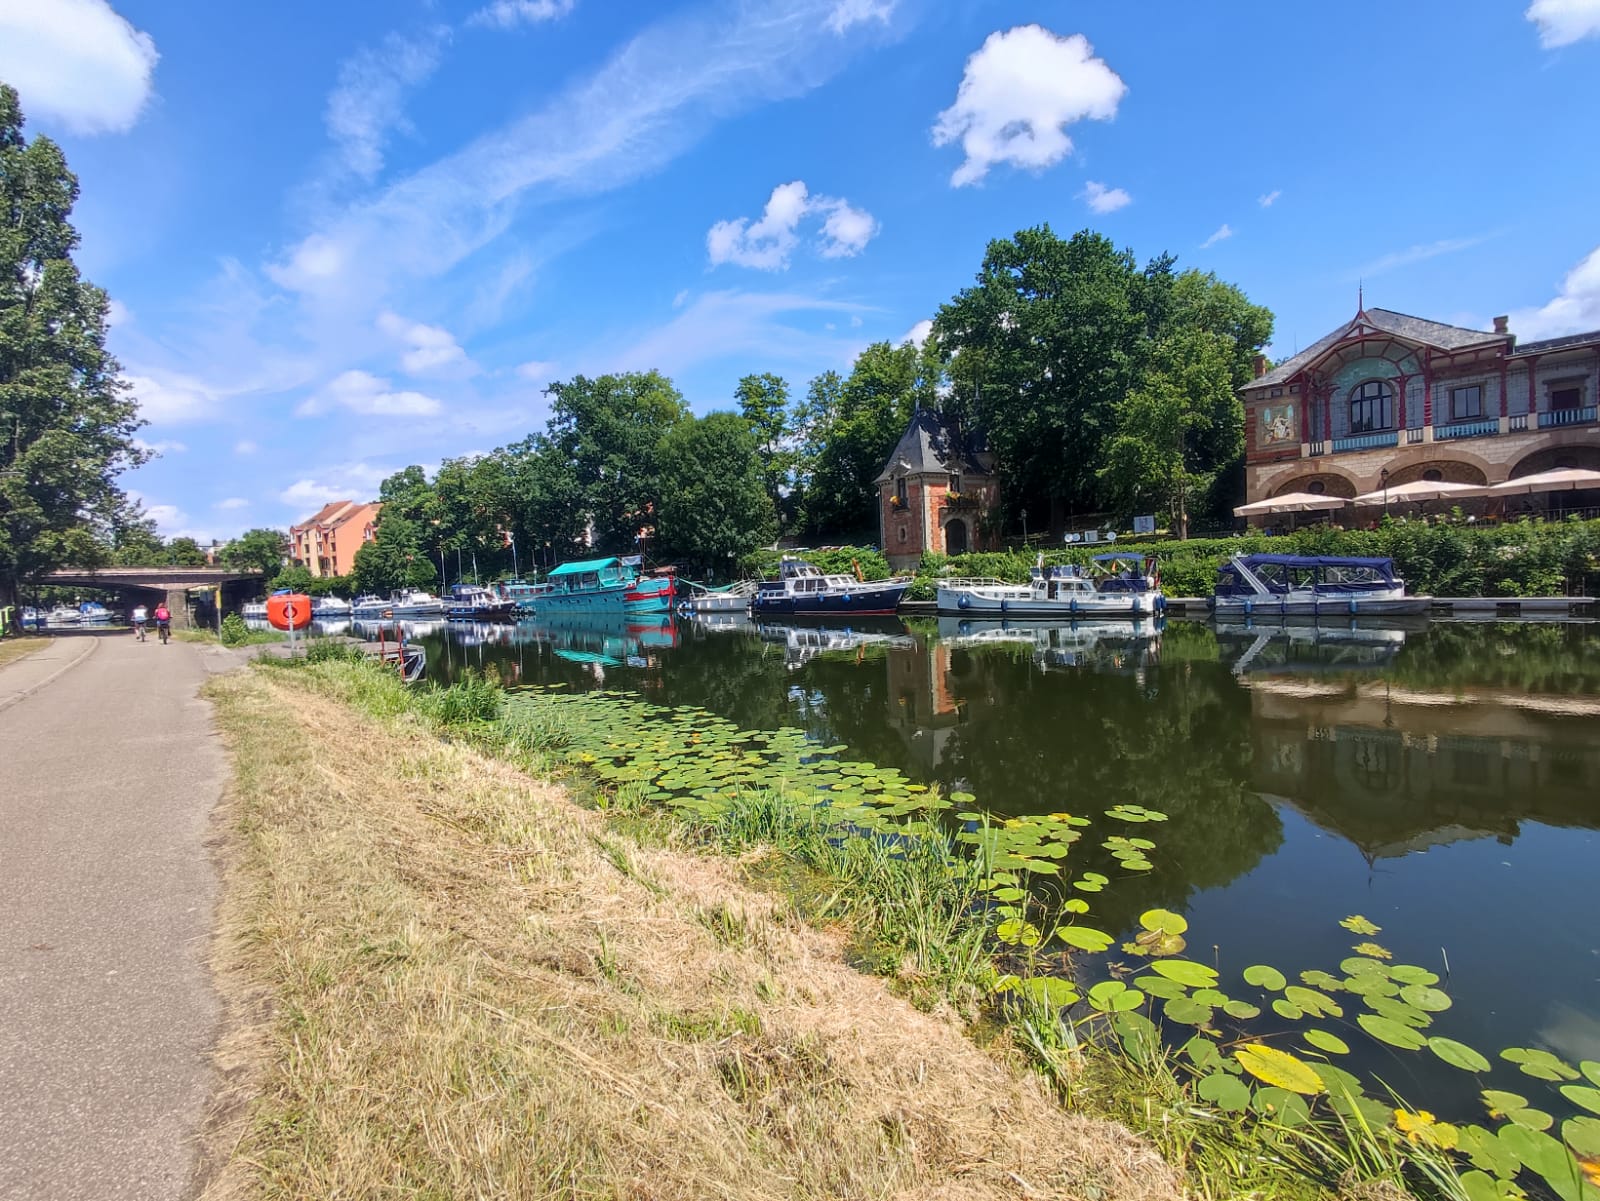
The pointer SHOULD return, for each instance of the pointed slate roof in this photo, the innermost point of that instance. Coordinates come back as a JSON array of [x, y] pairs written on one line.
[[1402, 325], [930, 446]]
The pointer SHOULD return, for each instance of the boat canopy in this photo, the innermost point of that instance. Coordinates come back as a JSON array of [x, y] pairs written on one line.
[[1383, 565], [1122, 556], [585, 565]]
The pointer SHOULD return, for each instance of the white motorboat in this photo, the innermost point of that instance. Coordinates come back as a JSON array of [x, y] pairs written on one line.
[[803, 590], [414, 602], [1113, 585], [32, 619], [253, 610], [329, 607], [63, 615], [699, 599], [1270, 585], [93, 613], [368, 605]]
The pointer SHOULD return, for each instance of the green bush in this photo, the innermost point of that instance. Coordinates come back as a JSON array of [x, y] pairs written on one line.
[[474, 698], [332, 650], [234, 631], [833, 560]]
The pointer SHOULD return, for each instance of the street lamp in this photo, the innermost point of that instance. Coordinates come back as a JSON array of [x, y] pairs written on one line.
[[1383, 478], [1024, 527]]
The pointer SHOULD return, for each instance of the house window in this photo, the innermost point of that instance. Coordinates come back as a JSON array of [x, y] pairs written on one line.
[[902, 533], [1370, 407], [955, 483], [1433, 475], [1566, 395], [1466, 404], [900, 491], [1316, 487]]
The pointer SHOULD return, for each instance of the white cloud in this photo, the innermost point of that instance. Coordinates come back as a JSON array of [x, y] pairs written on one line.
[[76, 61], [1562, 22], [232, 502], [681, 299], [1224, 232], [367, 394], [508, 14], [368, 103], [245, 447], [855, 321], [168, 398], [349, 481], [1019, 92], [117, 313], [431, 347], [656, 95], [918, 333], [848, 13], [767, 244], [165, 447], [1415, 254], [1575, 308], [536, 370], [1102, 199], [1267, 199]]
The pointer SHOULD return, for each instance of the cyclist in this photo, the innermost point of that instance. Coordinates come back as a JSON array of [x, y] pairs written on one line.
[[140, 616], [163, 617]]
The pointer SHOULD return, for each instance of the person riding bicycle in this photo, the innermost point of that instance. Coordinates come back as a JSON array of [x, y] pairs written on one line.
[[163, 616], [139, 617]]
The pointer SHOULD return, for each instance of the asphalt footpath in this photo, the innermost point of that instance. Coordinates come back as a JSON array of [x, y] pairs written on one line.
[[109, 772]]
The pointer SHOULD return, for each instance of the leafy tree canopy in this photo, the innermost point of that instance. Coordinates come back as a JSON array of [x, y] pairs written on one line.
[[259, 549], [715, 506]]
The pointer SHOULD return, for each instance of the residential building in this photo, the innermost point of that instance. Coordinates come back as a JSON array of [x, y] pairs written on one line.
[[937, 492], [326, 543], [1387, 398]]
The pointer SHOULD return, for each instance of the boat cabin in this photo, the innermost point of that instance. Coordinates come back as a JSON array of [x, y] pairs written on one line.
[[590, 575], [1281, 574]]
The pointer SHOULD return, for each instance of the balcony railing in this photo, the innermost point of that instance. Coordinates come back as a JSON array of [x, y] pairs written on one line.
[[1371, 441], [1316, 448], [1517, 423], [1466, 429], [1414, 435], [1558, 417]]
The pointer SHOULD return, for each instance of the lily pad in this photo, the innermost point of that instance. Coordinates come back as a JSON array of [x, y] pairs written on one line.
[[1186, 971], [1242, 1010], [1160, 986], [1387, 1030], [1405, 973], [1458, 1055], [1186, 1011], [1584, 1098], [1288, 1010], [1224, 1091], [1312, 1001], [1539, 1064], [1424, 997], [1264, 976], [1163, 921], [1279, 1069], [1085, 938], [1582, 1135], [1281, 1106], [1323, 1041], [1113, 996], [1357, 924]]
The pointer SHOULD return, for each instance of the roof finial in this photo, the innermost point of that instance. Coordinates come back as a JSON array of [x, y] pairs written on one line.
[[1361, 296]]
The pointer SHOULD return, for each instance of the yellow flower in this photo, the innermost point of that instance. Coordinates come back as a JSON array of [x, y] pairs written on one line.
[[1421, 1127]]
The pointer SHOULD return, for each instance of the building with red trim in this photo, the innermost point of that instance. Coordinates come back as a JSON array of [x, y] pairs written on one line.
[[326, 543], [937, 493], [1387, 398]]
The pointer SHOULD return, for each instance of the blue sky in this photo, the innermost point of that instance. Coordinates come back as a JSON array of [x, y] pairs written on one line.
[[342, 238]]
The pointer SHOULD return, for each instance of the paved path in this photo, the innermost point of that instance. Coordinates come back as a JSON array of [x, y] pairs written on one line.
[[108, 775]]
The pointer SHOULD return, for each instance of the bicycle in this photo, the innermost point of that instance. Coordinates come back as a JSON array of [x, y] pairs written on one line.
[[164, 628], [138, 630]]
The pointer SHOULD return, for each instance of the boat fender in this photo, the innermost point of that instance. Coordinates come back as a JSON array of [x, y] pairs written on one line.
[[845, 598], [1161, 604], [964, 603], [1138, 606], [1005, 605], [1352, 605], [1072, 605], [1249, 606]]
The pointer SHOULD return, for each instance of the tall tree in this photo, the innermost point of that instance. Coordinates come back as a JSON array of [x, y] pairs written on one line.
[[544, 500], [714, 503], [260, 550], [66, 421], [184, 552], [764, 403], [396, 558], [611, 428], [873, 406]]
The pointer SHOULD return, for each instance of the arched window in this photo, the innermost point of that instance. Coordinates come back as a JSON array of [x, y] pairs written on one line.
[[1433, 475], [1371, 407], [1316, 487]]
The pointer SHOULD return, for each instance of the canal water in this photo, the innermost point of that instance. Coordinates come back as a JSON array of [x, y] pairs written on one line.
[[1442, 779]]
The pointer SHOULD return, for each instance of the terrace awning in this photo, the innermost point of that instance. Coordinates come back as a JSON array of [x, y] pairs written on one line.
[[1562, 479], [1417, 490], [1291, 502]]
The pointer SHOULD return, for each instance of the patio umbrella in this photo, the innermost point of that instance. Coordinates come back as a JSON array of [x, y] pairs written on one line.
[[1291, 502], [1562, 479], [1417, 490]]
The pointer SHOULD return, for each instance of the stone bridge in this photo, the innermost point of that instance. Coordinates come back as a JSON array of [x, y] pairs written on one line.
[[150, 584]]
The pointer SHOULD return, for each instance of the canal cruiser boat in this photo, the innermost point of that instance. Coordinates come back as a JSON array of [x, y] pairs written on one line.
[[1113, 585], [414, 602], [735, 598], [93, 613], [473, 602], [368, 605], [254, 610], [525, 595], [802, 590], [1312, 585], [31, 618], [329, 608], [610, 585]]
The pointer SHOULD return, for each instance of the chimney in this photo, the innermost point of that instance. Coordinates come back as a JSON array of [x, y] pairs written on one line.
[[1260, 365], [1502, 325]]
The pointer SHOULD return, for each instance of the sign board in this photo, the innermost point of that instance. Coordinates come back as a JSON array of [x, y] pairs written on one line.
[[1144, 525], [1091, 535]]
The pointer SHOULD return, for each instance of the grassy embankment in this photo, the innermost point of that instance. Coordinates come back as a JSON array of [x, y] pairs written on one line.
[[447, 979], [12, 649], [1527, 558]]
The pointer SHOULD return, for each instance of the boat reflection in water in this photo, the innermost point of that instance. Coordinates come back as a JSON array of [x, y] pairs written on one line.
[[331, 628], [803, 641], [1324, 645], [1111, 644]]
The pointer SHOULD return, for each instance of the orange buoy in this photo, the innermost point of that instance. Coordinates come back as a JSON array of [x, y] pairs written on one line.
[[290, 611]]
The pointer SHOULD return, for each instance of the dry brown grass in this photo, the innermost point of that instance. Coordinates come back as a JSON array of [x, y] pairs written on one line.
[[12, 649], [448, 981]]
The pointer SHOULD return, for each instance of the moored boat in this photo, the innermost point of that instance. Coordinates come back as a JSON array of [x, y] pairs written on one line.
[[610, 585], [473, 602], [802, 589], [368, 605], [93, 613], [329, 608], [735, 598], [31, 618], [414, 602], [253, 610], [525, 595], [1312, 584], [1113, 585]]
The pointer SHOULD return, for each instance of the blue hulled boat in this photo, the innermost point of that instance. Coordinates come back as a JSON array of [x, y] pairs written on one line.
[[802, 589], [612, 585]]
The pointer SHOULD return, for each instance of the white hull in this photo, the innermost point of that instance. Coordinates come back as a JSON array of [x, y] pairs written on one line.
[[716, 603], [1324, 606], [1021, 601]]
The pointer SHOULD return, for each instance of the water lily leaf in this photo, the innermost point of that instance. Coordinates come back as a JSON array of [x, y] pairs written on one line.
[[1186, 971], [1084, 938], [1282, 1106], [1323, 1041], [1137, 1034], [1050, 990], [1423, 997], [1014, 931], [1113, 996], [1357, 924], [1156, 944], [1076, 905], [1090, 882], [1163, 921], [1541, 1065], [1211, 996], [1009, 893], [1489, 1153], [1405, 973], [1287, 1010], [1224, 1091], [1458, 1055], [1591, 1070], [1356, 965], [1202, 1052], [1242, 1010], [1372, 950], [1387, 1030], [1186, 1011], [1584, 1098], [1160, 986], [1313, 1002], [1263, 976], [1371, 984], [1582, 1135], [1544, 1155], [1397, 1011], [1279, 1069], [1480, 1186], [1322, 980]]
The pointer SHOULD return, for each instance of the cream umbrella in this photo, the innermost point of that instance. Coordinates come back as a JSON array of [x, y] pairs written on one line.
[[1562, 479], [1416, 490], [1291, 502]]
